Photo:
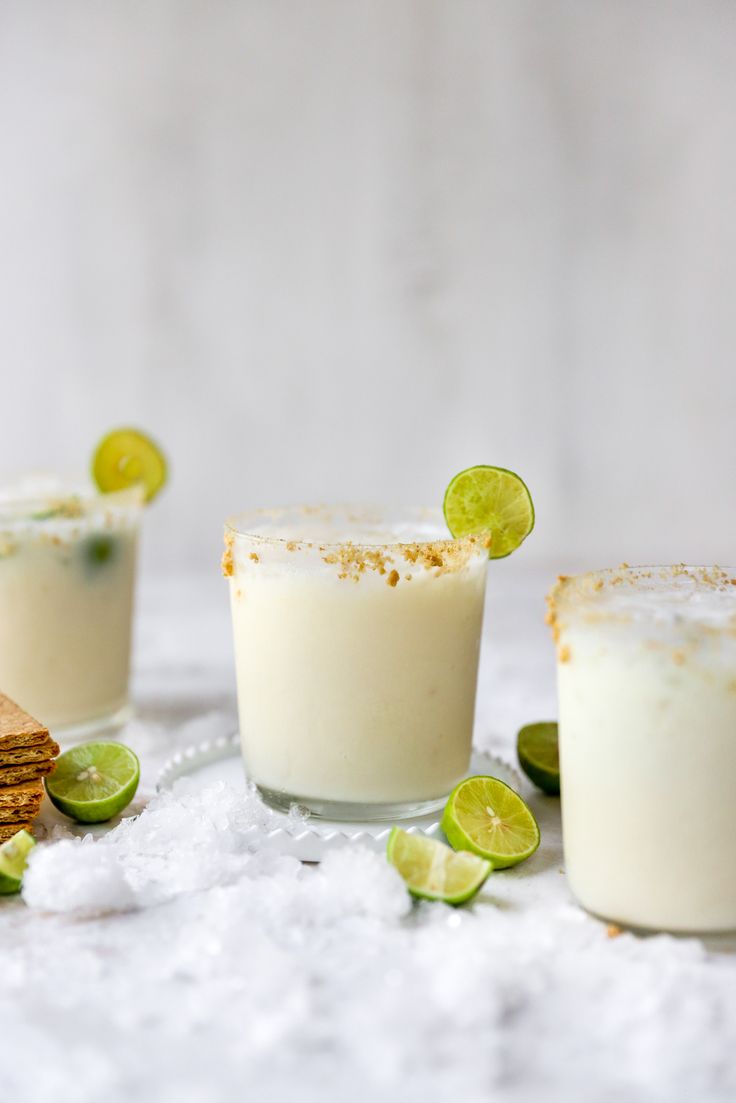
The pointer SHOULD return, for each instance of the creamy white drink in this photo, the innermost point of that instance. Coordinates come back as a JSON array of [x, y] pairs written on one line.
[[67, 570], [647, 711], [356, 649]]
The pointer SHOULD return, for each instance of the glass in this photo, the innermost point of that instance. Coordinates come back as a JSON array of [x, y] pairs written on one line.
[[357, 636], [647, 710], [67, 573]]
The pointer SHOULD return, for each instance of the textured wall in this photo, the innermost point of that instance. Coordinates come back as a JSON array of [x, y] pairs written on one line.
[[337, 249]]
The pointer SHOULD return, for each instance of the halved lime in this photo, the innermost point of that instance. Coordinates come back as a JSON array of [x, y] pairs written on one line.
[[13, 859], [486, 816], [127, 457], [434, 872], [490, 500], [539, 755], [93, 782]]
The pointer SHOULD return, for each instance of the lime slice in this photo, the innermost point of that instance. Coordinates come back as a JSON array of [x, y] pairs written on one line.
[[93, 782], [486, 816], [127, 457], [539, 756], [13, 858], [434, 872], [490, 500]]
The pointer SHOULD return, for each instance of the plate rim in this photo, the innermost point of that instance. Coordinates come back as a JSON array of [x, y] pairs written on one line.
[[222, 747]]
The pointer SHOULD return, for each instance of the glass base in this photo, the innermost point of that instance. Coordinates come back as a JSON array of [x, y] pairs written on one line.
[[351, 811], [83, 731], [722, 937]]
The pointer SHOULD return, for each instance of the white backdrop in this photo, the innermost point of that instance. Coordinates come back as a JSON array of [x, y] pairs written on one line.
[[341, 249]]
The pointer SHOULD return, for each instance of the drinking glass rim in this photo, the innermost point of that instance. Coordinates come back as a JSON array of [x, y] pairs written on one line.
[[645, 572], [584, 595], [66, 504], [358, 513]]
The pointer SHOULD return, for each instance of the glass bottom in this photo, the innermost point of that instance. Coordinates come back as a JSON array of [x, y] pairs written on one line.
[[722, 937], [351, 811], [85, 730]]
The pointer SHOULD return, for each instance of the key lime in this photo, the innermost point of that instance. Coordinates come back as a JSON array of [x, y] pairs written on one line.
[[490, 500], [13, 858], [93, 782], [434, 872], [539, 756], [486, 816], [127, 457]]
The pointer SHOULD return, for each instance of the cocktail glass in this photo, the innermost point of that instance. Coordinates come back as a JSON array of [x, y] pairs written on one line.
[[67, 572], [647, 711], [357, 635]]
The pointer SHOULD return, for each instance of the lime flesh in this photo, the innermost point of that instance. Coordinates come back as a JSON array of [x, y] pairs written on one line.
[[539, 755], [13, 858], [434, 872], [490, 500], [486, 816], [93, 782], [128, 457]]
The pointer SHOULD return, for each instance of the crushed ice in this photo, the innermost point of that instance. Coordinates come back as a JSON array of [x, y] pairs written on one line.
[[231, 973], [185, 840]]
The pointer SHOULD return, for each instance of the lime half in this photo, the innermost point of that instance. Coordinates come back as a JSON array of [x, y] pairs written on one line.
[[490, 500], [127, 457], [539, 755], [13, 858], [93, 782], [434, 872], [486, 816]]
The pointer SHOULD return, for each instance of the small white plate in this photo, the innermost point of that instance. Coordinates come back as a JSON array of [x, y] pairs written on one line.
[[220, 760]]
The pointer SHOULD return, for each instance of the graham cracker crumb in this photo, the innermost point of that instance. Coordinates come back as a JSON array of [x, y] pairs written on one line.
[[563, 654], [227, 564], [613, 930], [255, 557], [393, 578]]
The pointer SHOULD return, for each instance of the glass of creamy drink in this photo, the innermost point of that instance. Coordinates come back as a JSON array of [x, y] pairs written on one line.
[[647, 711], [67, 571], [357, 635]]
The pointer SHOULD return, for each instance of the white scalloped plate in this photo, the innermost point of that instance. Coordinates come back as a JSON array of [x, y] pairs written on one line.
[[220, 760]]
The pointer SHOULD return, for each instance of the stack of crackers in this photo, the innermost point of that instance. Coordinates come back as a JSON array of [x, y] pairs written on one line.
[[27, 754]]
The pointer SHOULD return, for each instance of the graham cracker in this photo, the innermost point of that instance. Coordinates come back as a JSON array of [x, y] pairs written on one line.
[[27, 811], [17, 794], [7, 830], [14, 775], [17, 727], [21, 802], [19, 756]]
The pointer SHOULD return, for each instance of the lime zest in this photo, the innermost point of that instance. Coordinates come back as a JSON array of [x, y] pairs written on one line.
[[432, 871], [493, 501]]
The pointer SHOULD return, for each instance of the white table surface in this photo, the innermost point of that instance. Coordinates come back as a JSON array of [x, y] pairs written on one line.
[[273, 983]]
